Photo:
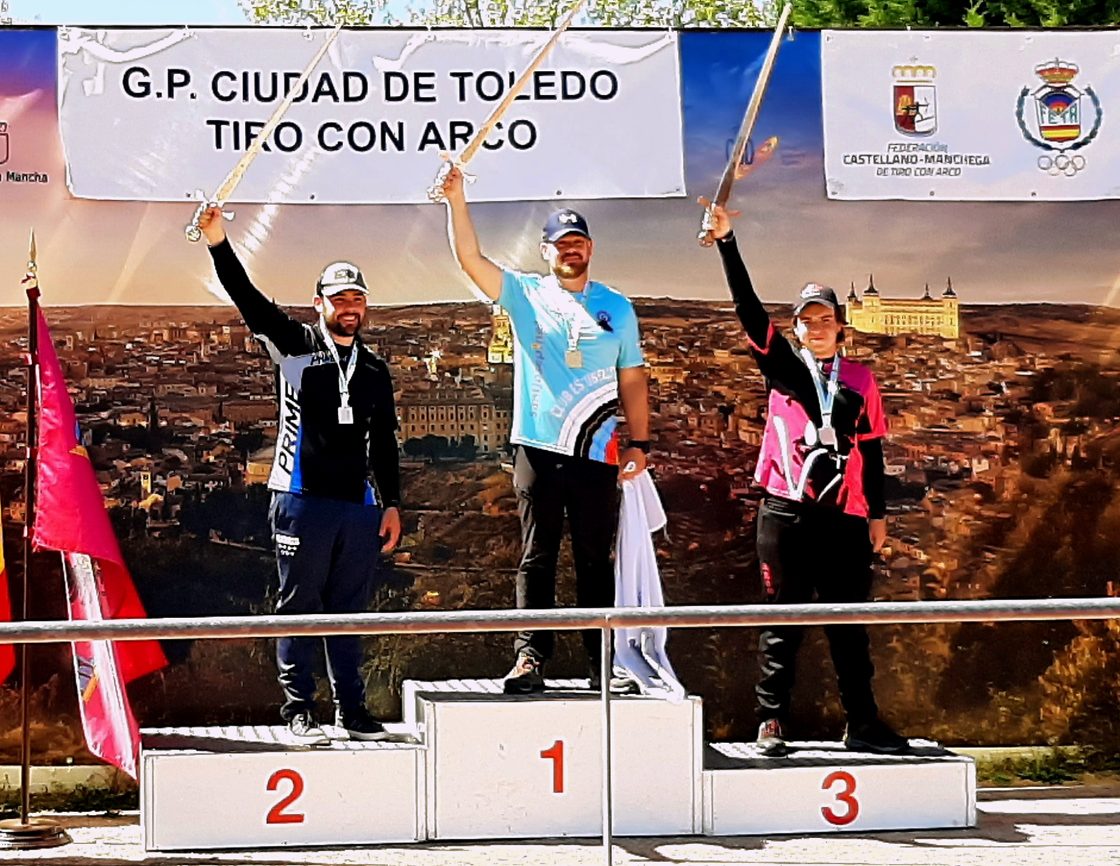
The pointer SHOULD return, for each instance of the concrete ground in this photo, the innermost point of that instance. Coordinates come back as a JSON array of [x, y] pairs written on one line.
[[1075, 826]]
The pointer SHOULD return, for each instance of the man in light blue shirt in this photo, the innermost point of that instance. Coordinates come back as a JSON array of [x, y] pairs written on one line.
[[577, 360]]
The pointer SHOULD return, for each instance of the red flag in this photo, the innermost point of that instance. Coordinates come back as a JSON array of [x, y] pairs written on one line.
[[70, 517], [7, 651]]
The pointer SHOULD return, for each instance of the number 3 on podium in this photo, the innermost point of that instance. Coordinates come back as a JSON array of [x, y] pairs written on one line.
[[845, 796]]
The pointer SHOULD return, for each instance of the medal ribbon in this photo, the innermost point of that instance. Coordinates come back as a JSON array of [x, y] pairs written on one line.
[[344, 374]]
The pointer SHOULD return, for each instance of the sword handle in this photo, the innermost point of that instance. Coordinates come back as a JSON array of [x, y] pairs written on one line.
[[435, 191], [192, 232], [706, 226]]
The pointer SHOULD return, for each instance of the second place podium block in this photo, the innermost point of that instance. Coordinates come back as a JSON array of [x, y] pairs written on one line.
[[253, 787]]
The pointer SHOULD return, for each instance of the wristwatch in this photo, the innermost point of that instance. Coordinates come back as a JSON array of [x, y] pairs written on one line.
[[641, 444]]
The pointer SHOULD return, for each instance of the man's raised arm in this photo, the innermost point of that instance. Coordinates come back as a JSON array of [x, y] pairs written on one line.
[[464, 242], [261, 315]]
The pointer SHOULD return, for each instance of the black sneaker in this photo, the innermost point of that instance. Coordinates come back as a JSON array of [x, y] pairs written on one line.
[[621, 682], [360, 725], [303, 727], [526, 676], [771, 741], [874, 736]]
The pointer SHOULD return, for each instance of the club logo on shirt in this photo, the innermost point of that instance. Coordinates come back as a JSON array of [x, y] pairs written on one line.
[[286, 545]]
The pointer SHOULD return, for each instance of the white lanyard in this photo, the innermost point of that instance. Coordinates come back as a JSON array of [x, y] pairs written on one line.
[[573, 313], [571, 310], [826, 393], [344, 375]]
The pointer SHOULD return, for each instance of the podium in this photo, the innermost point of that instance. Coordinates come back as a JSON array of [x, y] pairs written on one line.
[[472, 763], [824, 788], [254, 787], [530, 766]]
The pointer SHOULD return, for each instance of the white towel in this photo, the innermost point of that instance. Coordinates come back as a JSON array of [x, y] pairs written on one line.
[[637, 583]]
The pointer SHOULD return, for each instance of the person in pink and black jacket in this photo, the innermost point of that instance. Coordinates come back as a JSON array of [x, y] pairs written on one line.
[[823, 516]]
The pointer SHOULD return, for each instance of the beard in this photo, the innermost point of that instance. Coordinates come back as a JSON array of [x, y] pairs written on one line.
[[343, 329], [570, 270]]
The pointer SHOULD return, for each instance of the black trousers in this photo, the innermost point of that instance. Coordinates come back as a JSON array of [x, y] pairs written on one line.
[[550, 486], [806, 549], [327, 556]]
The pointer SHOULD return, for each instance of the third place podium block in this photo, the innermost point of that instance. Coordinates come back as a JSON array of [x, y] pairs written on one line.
[[504, 767], [822, 787]]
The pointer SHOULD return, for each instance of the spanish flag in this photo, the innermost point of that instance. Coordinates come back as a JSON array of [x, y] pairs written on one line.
[[70, 517]]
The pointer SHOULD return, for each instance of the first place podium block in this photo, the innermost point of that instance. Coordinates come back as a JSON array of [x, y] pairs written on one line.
[[253, 787], [822, 787], [508, 767]]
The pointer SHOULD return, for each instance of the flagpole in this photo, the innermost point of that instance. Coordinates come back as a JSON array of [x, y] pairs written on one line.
[[29, 832]]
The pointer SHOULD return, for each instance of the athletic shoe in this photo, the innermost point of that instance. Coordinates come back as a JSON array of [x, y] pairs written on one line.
[[771, 742], [526, 676], [360, 725], [621, 682], [306, 730], [874, 736]]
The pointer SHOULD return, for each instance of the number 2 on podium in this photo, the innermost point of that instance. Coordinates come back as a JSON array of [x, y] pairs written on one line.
[[277, 815], [555, 753]]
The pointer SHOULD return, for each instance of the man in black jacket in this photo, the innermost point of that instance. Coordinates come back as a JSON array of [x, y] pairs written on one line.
[[336, 435]]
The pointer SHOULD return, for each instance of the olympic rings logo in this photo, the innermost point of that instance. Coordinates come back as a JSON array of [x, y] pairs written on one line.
[[1061, 164]]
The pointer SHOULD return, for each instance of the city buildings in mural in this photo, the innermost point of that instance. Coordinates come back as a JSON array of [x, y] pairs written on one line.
[[991, 431]]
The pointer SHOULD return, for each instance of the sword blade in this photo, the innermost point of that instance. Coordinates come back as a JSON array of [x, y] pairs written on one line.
[[723, 193], [488, 125], [225, 190]]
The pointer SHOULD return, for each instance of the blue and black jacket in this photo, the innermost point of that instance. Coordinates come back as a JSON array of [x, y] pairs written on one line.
[[315, 454]]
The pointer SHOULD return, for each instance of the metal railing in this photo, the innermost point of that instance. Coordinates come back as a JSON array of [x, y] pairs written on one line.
[[433, 622], [604, 619]]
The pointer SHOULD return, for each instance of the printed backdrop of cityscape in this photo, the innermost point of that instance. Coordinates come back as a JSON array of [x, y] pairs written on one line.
[[1002, 464], [1003, 405]]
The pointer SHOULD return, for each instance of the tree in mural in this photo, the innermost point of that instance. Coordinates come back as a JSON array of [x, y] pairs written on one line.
[[516, 13], [695, 13]]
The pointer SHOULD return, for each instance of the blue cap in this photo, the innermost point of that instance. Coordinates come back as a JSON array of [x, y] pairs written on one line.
[[564, 222]]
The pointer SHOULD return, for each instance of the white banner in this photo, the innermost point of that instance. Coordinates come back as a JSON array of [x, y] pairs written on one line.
[[971, 115], [155, 115]]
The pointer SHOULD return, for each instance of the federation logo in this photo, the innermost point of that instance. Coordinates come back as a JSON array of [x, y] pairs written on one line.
[[1064, 118], [5, 152], [914, 99]]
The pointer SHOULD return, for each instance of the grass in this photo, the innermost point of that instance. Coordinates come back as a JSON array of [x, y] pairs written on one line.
[[1054, 766], [79, 798]]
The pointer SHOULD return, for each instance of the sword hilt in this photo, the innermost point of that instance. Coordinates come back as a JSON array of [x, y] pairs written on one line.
[[707, 223], [192, 231], [435, 191]]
